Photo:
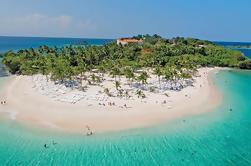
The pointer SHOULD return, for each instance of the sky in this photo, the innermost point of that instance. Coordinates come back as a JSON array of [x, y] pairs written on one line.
[[215, 20]]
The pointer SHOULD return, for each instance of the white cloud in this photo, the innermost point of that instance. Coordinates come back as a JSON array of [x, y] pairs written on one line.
[[44, 25]]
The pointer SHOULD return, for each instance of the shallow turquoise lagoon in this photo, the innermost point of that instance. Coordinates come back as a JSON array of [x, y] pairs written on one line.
[[220, 137]]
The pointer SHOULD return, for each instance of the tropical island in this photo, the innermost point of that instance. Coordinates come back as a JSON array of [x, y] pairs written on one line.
[[131, 82], [174, 58]]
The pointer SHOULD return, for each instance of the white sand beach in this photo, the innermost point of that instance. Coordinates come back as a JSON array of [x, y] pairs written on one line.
[[37, 102]]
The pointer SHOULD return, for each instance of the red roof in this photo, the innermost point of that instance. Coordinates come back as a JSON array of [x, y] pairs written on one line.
[[130, 40]]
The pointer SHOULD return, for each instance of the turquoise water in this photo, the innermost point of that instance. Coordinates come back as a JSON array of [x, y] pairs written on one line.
[[220, 137]]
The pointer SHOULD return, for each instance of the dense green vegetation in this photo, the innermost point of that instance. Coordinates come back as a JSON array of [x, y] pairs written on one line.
[[169, 59]]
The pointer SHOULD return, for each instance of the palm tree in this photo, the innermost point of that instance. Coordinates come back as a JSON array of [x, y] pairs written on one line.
[[93, 77], [117, 85], [185, 75], [43, 66], [62, 69], [115, 71], [101, 69], [120, 92], [158, 72], [107, 92], [98, 79], [127, 94], [128, 72], [170, 73], [140, 94], [81, 68], [143, 77], [187, 63]]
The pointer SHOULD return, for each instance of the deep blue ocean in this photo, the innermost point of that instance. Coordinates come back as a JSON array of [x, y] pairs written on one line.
[[16, 43], [246, 52], [217, 138]]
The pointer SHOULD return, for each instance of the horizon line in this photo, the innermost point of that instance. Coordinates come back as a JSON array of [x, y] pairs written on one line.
[[64, 37]]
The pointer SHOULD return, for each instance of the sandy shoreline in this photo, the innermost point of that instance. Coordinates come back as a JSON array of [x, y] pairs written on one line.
[[26, 105]]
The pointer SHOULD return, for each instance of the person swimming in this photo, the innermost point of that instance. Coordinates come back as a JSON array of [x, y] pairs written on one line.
[[54, 143], [89, 131], [46, 146]]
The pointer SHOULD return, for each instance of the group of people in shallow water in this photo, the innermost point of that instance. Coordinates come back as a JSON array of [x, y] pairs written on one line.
[[47, 146], [89, 131]]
